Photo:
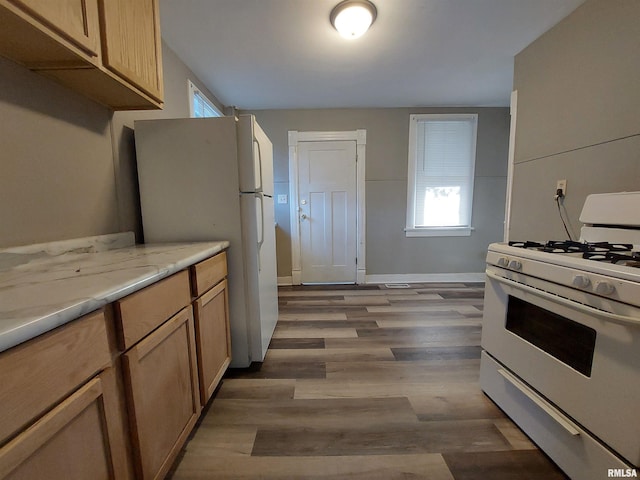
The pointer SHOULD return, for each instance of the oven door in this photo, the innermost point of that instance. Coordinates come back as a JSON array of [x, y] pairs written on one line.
[[579, 351]]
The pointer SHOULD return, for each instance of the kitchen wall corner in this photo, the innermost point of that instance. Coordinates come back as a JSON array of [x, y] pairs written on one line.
[[578, 116], [68, 163]]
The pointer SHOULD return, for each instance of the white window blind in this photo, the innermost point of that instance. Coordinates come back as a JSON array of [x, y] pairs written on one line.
[[441, 172], [200, 105]]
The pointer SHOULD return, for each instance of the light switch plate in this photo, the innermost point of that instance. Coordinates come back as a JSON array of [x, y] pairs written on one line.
[[282, 198]]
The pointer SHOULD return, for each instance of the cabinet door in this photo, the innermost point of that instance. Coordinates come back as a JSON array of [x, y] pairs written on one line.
[[213, 338], [73, 441], [74, 20], [131, 42], [161, 374]]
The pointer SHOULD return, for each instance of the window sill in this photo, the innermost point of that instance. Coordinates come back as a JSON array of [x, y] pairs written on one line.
[[438, 232]]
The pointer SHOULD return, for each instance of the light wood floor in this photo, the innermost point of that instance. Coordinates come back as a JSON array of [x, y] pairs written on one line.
[[365, 383]]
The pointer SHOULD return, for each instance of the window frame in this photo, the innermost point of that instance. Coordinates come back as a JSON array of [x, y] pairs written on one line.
[[436, 231], [193, 91]]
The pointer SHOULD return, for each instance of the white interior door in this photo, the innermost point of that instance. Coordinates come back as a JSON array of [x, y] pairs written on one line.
[[327, 201]]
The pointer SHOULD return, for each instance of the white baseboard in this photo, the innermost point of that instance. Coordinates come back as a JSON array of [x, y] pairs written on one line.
[[427, 278], [410, 278]]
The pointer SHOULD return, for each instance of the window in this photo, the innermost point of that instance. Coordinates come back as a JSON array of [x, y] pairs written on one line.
[[200, 105], [442, 153]]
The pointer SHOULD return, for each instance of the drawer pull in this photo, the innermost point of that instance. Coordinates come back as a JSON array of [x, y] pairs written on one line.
[[553, 412]]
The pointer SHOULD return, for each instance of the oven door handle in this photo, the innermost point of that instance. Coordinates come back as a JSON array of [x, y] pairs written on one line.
[[553, 412], [613, 317]]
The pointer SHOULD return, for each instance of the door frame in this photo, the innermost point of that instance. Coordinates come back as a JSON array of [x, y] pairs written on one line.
[[295, 138]]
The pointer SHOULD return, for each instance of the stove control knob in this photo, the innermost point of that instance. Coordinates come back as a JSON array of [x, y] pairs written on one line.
[[503, 262], [515, 265], [581, 281], [604, 288]]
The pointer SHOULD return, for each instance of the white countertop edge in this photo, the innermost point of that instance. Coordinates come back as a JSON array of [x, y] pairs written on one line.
[[33, 327], [98, 243]]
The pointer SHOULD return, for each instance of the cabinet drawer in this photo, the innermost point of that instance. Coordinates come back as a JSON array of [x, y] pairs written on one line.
[[140, 313], [208, 273], [39, 373]]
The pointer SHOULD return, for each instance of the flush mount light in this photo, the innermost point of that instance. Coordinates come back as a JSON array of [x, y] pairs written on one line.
[[352, 18]]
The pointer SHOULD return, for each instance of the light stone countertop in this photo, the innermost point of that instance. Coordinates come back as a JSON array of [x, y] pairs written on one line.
[[47, 285]]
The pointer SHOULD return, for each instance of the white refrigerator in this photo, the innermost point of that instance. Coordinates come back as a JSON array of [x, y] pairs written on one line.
[[212, 179]]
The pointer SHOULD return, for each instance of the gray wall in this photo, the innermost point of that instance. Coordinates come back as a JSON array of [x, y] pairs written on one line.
[[57, 178], [388, 250], [67, 165], [578, 115], [176, 105], [68, 170]]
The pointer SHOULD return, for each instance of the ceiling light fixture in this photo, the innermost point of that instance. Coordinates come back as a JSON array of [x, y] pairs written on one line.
[[352, 18]]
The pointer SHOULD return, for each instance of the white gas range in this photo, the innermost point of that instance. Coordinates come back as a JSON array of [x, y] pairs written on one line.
[[561, 339]]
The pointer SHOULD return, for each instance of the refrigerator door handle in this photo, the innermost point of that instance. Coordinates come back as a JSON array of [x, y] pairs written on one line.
[[261, 236], [257, 144]]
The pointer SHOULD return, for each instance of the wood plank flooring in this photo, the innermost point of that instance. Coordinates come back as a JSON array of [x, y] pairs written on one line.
[[364, 383]]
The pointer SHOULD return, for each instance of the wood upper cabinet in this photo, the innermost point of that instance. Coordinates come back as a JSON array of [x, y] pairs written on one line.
[[47, 34], [74, 20], [211, 311], [161, 375], [131, 42], [108, 50]]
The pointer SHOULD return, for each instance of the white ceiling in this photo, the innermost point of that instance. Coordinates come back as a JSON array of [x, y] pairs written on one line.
[[273, 54]]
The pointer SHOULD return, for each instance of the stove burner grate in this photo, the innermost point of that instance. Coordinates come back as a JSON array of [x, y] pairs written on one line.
[[631, 259], [615, 253], [570, 246]]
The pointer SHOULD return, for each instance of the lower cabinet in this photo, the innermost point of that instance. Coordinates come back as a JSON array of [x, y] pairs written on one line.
[[124, 383], [79, 439], [164, 402], [213, 338]]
